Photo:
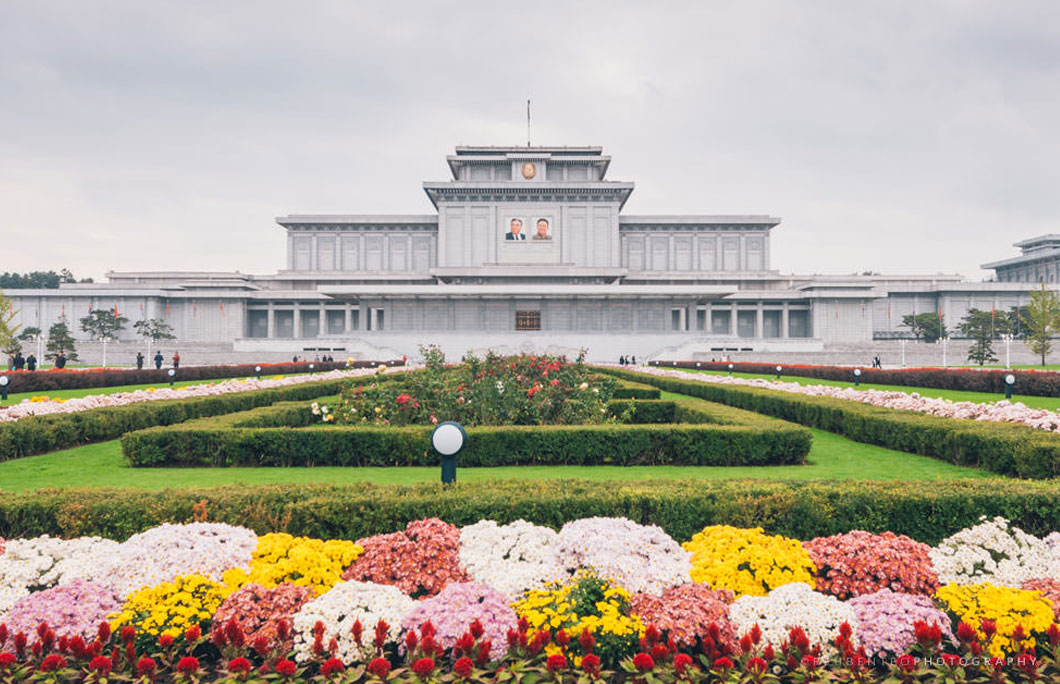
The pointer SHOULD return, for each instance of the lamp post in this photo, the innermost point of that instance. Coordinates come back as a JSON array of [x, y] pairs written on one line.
[[944, 341], [310, 369], [3, 387], [172, 376], [257, 371], [730, 370], [447, 440], [903, 352], [1007, 337], [1010, 380], [778, 372], [857, 377]]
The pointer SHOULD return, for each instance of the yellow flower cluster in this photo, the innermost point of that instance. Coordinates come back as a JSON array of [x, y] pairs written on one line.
[[1008, 608], [585, 603], [747, 561], [307, 562], [171, 607]]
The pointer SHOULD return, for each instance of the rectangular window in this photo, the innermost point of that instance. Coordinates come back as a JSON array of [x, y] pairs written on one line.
[[527, 320], [677, 319]]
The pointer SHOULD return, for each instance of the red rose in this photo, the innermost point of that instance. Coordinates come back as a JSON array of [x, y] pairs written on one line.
[[556, 662], [287, 668], [145, 666], [240, 665], [380, 667], [52, 663], [331, 666], [643, 662], [101, 665], [463, 667], [188, 665], [423, 666]]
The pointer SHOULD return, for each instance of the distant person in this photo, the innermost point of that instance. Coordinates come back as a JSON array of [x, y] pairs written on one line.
[[139, 361], [877, 362], [60, 360], [158, 360], [634, 362], [176, 359], [20, 361], [294, 359], [31, 362], [515, 230]]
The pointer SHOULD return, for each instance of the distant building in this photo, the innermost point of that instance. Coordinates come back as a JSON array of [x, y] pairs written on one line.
[[529, 251], [1039, 262]]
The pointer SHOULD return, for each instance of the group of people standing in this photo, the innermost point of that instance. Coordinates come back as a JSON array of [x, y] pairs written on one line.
[[29, 363], [627, 360], [158, 359]]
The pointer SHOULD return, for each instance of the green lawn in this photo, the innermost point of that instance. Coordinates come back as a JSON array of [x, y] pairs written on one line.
[[14, 398], [1051, 403]]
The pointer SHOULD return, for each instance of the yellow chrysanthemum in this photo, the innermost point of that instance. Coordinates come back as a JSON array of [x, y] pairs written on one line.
[[307, 562], [1007, 608], [747, 561], [171, 607]]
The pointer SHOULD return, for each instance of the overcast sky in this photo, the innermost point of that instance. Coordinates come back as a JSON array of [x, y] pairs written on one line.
[[915, 136]]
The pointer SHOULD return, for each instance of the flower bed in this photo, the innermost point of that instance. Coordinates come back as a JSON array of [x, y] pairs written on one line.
[[586, 623], [1039, 383]]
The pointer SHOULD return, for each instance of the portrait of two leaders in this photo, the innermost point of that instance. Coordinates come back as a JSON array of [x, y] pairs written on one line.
[[515, 230]]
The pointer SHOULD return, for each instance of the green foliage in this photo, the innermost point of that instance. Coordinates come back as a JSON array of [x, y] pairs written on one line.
[[1043, 321], [495, 390], [926, 326], [30, 333], [38, 280], [154, 329], [800, 510], [103, 324], [984, 327], [665, 433], [60, 340], [1003, 448], [8, 330]]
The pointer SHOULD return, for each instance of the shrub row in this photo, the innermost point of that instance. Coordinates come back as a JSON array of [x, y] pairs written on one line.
[[1003, 448], [41, 434], [706, 438], [66, 379], [925, 511], [1028, 382]]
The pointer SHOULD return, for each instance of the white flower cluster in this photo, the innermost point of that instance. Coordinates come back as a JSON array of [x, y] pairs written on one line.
[[30, 565], [992, 551], [641, 558], [510, 558], [163, 553], [343, 605], [790, 605]]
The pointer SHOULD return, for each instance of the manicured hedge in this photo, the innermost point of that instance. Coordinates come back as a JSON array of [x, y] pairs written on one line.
[[1004, 448], [709, 436], [1028, 382], [41, 434], [634, 390], [66, 379], [925, 511]]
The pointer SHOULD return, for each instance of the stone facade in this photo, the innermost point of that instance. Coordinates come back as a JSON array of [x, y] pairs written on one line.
[[529, 251]]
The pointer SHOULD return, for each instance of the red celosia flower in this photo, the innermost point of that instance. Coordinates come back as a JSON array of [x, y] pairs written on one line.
[[966, 633], [428, 645], [101, 665], [128, 634], [465, 643], [380, 667], [165, 641], [591, 665], [950, 659], [906, 662], [746, 644], [562, 638], [330, 667], [643, 662], [423, 666], [188, 665], [989, 628], [356, 631], [4, 630], [998, 663], [723, 664], [381, 631], [1027, 662], [660, 653], [7, 660], [1054, 634], [681, 662], [809, 662], [463, 667], [587, 641], [261, 645], [145, 667], [286, 668], [318, 628], [483, 655], [476, 629], [768, 654], [52, 663], [757, 665], [239, 665], [556, 662], [193, 634], [411, 640], [103, 632], [1019, 634]]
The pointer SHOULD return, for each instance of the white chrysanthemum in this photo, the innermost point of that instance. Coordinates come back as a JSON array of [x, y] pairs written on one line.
[[510, 558], [640, 558], [166, 552], [993, 551], [339, 608], [35, 564], [791, 605]]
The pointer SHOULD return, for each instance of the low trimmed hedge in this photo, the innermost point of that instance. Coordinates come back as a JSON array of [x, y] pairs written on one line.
[[42, 434], [1028, 382], [706, 435], [1004, 448], [67, 379], [925, 511]]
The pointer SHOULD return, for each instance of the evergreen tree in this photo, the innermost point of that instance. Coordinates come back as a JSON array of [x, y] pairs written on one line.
[[9, 343], [103, 325], [60, 340], [984, 327], [926, 326], [1043, 320], [153, 330]]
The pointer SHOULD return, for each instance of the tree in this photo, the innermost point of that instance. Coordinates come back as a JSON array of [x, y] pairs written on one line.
[[984, 327], [1043, 320], [103, 325], [153, 330], [928, 326], [1017, 318], [9, 343], [60, 340]]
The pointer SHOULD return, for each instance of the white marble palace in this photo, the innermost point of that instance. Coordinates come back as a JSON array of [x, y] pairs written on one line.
[[529, 250]]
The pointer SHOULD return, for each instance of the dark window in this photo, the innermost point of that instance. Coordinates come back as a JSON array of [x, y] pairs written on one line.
[[527, 320]]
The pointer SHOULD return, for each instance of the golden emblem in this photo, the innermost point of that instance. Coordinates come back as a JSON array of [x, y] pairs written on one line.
[[529, 170]]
